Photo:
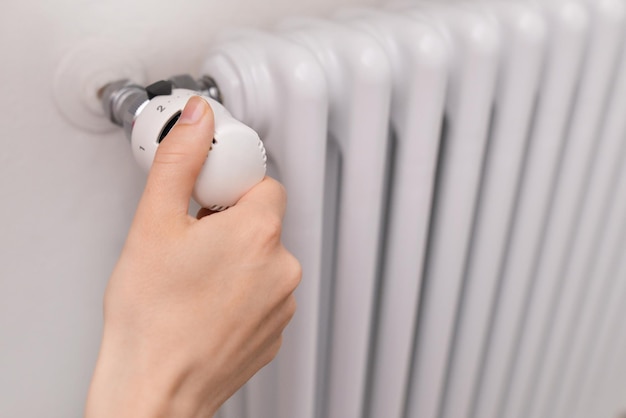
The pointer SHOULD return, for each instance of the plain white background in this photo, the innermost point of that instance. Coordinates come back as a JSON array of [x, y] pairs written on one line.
[[67, 196]]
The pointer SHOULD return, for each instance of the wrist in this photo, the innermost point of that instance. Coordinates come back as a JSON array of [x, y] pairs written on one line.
[[136, 383]]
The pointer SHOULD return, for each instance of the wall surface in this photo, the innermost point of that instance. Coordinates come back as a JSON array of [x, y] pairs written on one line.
[[68, 195]]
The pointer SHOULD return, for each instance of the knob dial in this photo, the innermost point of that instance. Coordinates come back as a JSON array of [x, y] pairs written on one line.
[[235, 163]]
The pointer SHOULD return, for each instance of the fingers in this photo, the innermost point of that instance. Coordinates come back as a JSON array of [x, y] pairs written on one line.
[[269, 194], [178, 160], [268, 343]]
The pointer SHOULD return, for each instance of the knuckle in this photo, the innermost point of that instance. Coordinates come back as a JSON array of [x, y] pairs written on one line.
[[170, 153], [273, 182], [293, 276], [273, 350], [168, 158], [281, 190], [276, 346], [269, 228], [176, 151], [291, 307]]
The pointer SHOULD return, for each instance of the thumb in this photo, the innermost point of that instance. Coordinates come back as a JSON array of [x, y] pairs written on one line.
[[178, 160]]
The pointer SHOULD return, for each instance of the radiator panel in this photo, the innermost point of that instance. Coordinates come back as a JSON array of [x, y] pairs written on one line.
[[524, 31], [580, 150], [419, 64], [601, 353], [568, 23], [359, 83], [613, 382], [604, 296], [594, 208], [602, 368], [454, 176], [469, 104], [262, 74]]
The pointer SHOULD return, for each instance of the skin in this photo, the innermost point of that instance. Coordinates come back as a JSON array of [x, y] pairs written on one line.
[[195, 306]]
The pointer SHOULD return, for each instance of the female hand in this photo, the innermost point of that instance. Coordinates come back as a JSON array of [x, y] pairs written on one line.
[[195, 306]]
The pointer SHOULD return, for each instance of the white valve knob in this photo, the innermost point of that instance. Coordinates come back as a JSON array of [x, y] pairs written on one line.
[[236, 161]]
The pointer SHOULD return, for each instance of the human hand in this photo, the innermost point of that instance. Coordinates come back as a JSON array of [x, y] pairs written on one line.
[[195, 306]]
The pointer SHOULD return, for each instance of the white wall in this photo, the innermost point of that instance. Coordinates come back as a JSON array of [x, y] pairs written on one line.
[[67, 195]]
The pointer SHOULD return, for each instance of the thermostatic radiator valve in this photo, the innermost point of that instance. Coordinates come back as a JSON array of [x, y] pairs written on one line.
[[237, 159]]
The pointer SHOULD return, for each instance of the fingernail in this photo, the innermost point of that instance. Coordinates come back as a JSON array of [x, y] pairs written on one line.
[[193, 111]]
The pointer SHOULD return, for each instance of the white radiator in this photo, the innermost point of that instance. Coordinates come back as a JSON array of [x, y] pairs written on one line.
[[456, 198]]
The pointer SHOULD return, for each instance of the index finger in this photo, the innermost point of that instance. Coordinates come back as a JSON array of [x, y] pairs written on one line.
[[269, 194]]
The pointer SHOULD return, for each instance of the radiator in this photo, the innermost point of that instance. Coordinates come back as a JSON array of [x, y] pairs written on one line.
[[456, 178]]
